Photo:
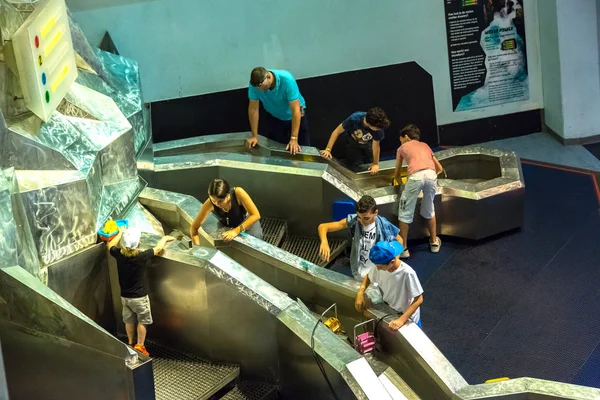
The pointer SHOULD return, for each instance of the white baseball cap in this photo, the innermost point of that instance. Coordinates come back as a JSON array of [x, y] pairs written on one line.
[[131, 238]]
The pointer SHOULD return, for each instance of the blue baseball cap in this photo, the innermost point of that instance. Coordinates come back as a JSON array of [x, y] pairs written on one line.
[[383, 252]]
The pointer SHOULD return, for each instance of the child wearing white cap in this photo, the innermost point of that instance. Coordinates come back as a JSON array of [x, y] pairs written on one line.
[[131, 266], [398, 282]]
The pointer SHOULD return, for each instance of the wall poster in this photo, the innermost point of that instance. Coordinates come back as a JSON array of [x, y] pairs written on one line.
[[487, 52]]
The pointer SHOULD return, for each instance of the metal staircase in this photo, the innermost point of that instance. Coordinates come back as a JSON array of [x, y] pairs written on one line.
[[181, 376]]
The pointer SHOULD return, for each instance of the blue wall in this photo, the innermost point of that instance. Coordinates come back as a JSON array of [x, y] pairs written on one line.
[[188, 47]]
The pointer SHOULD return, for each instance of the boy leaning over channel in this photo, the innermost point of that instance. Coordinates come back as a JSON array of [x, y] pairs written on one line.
[[133, 280], [365, 132], [423, 169], [398, 282], [366, 227]]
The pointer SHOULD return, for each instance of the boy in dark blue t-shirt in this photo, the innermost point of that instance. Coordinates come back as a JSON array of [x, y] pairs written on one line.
[[365, 131]]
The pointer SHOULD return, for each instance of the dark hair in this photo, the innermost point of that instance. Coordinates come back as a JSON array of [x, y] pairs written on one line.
[[218, 188], [366, 204], [376, 117], [258, 75], [411, 131]]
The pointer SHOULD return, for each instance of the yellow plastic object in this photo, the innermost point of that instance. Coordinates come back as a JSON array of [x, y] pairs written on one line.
[[497, 380], [110, 226], [333, 324], [403, 179]]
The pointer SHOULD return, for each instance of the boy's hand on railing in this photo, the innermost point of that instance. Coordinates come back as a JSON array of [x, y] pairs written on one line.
[[325, 154]]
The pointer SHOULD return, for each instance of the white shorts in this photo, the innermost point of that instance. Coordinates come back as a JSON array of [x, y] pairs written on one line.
[[422, 181]]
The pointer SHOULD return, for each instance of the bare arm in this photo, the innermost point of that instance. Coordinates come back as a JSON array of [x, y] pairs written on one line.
[[416, 303], [399, 322], [398, 170], [332, 139], [334, 135], [253, 117], [438, 166], [399, 239], [296, 116], [324, 228], [374, 168], [359, 301], [115, 241], [161, 244], [376, 151], [246, 201], [206, 209], [327, 227]]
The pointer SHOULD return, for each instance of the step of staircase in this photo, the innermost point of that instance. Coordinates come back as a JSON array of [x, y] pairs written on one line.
[[274, 230], [252, 391], [308, 248], [181, 376]]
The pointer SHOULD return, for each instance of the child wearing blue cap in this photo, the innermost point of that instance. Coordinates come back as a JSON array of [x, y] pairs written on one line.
[[399, 283]]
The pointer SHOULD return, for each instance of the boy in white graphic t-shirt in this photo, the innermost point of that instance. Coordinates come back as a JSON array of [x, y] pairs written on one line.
[[365, 228], [399, 283]]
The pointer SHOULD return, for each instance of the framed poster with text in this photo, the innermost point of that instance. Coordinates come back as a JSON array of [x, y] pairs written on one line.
[[487, 52]]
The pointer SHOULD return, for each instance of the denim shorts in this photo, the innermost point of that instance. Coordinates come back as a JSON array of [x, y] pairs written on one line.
[[422, 181]]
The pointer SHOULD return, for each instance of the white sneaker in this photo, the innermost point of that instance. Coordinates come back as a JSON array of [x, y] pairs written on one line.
[[435, 247], [405, 254]]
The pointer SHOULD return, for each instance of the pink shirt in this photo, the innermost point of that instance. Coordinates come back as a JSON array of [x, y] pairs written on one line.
[[418, 156]]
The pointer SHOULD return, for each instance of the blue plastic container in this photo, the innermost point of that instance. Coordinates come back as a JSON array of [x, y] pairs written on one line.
[[106, 236], [341, 209]]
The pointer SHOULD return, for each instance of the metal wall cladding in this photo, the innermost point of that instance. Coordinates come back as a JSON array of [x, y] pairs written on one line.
[[118, 198], [8, 238], [59, 182], [117, 160], [17, 246], [97, 134], [22, 152], [37, 307], [59, 212], [143, 220], [82, 279], [40, 357], [83, 48]]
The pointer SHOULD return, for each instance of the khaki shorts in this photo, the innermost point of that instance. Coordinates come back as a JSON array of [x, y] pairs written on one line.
[[136, 310]]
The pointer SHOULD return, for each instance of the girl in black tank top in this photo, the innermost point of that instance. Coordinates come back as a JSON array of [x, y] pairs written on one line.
[[233, 207], [236, 214]]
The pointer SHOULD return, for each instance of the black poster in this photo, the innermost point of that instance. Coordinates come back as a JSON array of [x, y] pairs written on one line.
[[487, 52]]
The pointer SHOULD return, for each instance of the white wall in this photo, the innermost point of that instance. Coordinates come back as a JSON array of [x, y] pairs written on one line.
[[553, 113], [191, 47], [578, 43], [571, 67]]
